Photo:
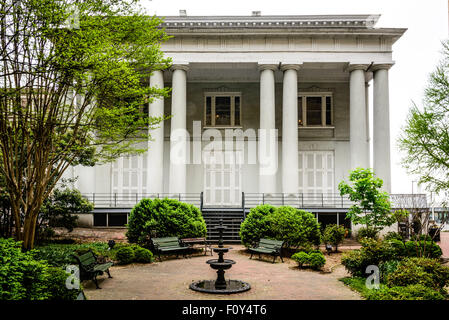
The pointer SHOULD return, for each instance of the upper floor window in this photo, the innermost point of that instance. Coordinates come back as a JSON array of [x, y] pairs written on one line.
[[315, 109], [222, 109]]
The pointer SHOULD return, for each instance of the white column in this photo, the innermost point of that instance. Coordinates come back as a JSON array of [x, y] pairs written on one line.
[[267, 135], [178, 136], [155, 159], [290, 129], [367, 117], [381, 125], [357, 117]]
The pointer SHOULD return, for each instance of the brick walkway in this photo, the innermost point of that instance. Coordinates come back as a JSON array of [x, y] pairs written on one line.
[[170, 279]]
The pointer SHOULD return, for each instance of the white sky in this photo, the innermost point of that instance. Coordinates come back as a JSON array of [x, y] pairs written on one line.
[[416, 53]]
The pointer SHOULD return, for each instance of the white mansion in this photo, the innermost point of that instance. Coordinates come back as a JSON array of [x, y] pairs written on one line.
[[271, 107]]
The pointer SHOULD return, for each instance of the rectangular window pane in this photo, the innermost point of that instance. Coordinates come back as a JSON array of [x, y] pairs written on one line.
[[313, 111], [300, 120], [208, 111], [328, 111], [237, 111], [223, 111]]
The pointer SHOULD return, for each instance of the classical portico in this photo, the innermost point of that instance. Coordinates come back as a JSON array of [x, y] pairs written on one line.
[[269, 106]]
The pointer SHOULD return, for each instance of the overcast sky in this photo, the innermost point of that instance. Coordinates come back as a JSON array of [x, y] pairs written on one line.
[[416, 53]]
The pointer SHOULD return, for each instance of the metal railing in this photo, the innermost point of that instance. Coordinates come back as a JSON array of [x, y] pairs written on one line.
[[250, 200], [129, 200]]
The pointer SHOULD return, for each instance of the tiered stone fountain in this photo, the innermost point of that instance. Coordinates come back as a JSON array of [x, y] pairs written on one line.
[[220, 285]]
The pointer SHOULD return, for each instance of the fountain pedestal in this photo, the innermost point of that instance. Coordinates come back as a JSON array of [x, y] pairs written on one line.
[[220, 285]]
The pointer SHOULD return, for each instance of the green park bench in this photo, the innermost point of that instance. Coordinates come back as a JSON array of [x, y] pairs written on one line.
[[169, 244], [267, 246], [90, 268]]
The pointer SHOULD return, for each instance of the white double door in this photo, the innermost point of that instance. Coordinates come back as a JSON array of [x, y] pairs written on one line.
[[316, 172], [222, 178]]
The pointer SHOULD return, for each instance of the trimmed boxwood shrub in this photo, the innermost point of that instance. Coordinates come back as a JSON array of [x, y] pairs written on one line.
[[125, 255], [365, 232], [315, 259], [392, 235], [256, 225], [167, 217], [56, 284], [143, 255], [296, 227]]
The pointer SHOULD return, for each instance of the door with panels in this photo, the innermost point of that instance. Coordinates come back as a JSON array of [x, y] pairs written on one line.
[[129, 180], [316, 178], [222, 178]]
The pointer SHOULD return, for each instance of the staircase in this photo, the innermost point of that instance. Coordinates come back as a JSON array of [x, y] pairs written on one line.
[[232, 218]]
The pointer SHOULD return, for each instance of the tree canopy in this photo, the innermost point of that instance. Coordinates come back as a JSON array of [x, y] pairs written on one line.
[[425, 136], [74, 89]]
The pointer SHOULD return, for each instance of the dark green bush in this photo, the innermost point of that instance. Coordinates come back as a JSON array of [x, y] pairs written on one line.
[[427, 249], [387, 268], [167, 217], [422, 237], [392, 235], [410, 292], [256, 225], [295, 227], [56, 284], [301, 257], [143, 255], [334, 235], [125, 255], [422, 271], [367, 233], [314, 259]]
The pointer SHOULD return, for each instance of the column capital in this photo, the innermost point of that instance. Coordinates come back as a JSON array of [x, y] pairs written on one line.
[[381, 66], [290, 66], [267, 66], [357, 66], [180, 66]]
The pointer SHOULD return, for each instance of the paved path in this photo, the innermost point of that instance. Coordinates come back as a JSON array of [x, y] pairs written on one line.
[[170, 279]]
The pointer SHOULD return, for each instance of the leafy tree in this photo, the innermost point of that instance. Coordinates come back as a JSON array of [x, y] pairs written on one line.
[[73, 82], [334, 234], [425, 136], [372, 207], [57, 210]]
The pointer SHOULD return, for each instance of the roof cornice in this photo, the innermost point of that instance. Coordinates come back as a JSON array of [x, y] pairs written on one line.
[[274, 21]]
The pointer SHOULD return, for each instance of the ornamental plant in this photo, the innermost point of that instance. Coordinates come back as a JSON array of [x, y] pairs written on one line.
[[165, 218], [256, 225], [372, 207], [334, 235]]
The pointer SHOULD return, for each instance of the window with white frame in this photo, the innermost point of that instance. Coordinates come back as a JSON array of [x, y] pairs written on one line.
[[316, 172], [315, 109], [222, 109]]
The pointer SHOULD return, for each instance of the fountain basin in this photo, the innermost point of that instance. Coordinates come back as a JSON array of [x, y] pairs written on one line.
[[232, 286], [216, 264]]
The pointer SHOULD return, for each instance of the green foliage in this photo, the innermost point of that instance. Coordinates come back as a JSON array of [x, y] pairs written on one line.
[[427, 249], [56, 285], [372, 208], [256, 225], [410, 292], [425, 137], [391, 235], [314, 259], [125, 255], [57, 210], [386, 268], [365, 232], [295, 227], [301, 257], [423, 271], [143, 255], [334, 234], [167, 217]]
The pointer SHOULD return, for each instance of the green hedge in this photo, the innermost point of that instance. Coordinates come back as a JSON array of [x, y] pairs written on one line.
[[24, 278], [295, 227], [167, 217], [314, 259]]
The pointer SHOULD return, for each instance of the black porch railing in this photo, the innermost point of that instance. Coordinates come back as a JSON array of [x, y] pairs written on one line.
[[250, 200]]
